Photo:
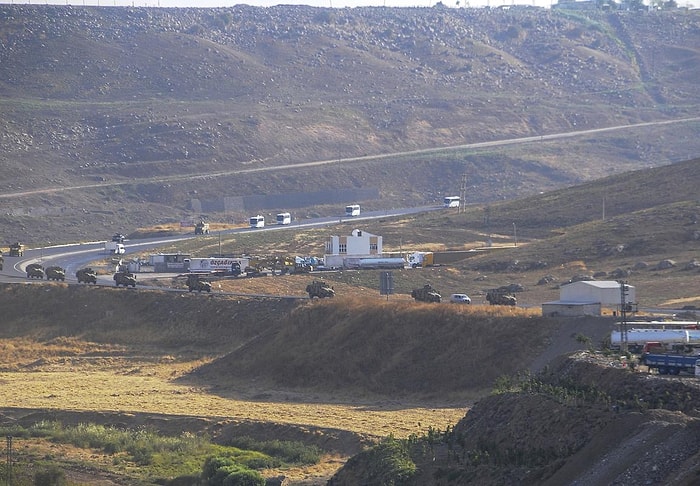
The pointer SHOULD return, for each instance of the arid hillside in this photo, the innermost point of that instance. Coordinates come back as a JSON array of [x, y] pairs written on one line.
[[585, 420], [347, 373], [117, 118]]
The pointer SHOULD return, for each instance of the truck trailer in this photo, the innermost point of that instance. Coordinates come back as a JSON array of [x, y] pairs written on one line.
[[670, 364], [228, 266]]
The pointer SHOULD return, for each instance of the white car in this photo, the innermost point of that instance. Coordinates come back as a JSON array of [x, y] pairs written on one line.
[[460, 299]]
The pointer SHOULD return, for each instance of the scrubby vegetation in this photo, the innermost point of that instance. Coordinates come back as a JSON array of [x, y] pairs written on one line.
[[149, 455]]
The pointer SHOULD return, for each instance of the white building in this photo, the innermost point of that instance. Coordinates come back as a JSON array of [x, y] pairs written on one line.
[[360, 244], [587, 298]]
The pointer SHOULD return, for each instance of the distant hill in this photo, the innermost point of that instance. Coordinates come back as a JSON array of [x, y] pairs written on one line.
[[116, 118]]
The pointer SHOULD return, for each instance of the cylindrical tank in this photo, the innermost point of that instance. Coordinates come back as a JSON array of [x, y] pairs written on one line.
[[641, 336]]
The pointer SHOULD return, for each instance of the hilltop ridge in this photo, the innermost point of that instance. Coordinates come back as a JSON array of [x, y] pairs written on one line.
[[153, 115]]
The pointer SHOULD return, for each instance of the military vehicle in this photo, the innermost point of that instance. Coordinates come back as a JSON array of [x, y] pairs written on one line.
[[426, 294], [320, 289], [17, 250], [125, 279], [55, 273], [201, 228], [195, 282], [500, 297], [86, 275], [34, 270]]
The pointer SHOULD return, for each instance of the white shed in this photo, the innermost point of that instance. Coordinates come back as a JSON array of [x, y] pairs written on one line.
[[605, 292], [587, 297]]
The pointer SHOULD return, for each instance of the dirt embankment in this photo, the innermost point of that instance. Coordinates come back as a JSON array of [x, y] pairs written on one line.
[[582, 421]]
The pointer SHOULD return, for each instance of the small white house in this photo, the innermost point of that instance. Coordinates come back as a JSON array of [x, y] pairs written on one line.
[[358, 244], [587, 298]]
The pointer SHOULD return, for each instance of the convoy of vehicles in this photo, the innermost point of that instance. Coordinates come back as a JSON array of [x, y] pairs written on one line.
[[86, 275], [352, 210], [55, 273], [219, 265], [257, 221], [125, 278], [201, 228], [500, 297], [451, 201], [35, 270], [319, 289], [16, 250], [421, 259], [195, 282], [115, 248], [426, 294], [460, 299], [284, 218]]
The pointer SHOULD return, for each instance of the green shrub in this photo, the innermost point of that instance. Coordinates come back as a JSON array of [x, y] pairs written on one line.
[[244, 478], [52, 476], [223, 471], [291, 452]]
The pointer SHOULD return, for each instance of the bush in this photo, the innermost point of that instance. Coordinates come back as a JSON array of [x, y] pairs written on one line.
[[223, 471], [52, 476], [244, 478]]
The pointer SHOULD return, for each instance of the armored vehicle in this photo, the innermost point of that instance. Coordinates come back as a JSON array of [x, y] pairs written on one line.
[[500, 297], [34, 270], [426, 294], [125, 279], [320, 289], [201, 228], [17, 250], [86, 275], [195, 282], [55, 273]]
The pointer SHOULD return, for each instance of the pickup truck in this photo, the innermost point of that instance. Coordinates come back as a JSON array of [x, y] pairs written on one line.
[[670, 364]]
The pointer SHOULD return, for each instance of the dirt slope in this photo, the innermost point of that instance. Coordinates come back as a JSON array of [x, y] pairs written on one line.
[[580, 422]]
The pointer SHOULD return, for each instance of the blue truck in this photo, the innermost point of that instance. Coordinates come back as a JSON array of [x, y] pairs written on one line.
[[670, 364]]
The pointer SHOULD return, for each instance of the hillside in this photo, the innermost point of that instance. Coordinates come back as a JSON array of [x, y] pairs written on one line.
[[347, 373], [118, 118], [583, 421]]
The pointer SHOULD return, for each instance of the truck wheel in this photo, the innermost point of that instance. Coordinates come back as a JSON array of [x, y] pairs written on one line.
[[663, 370]]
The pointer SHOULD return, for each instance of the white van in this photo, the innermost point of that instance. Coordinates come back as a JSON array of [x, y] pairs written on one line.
[[352, 210], [460, 299]]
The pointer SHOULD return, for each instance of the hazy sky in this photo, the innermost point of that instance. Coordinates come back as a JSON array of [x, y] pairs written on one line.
[[269, 3], [314, 3]]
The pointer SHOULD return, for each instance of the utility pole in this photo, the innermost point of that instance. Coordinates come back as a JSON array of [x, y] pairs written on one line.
[[463, 195], [624, 306], [9, 460]]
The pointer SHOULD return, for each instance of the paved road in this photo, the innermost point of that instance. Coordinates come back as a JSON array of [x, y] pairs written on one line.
[[350, 160], [76, 255]]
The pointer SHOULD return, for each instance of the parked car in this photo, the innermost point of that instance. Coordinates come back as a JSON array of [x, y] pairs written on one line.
[[460, 299]]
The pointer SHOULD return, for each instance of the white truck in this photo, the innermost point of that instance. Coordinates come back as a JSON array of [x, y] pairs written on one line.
[[420, 259], [114, 248], [232, 266]]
